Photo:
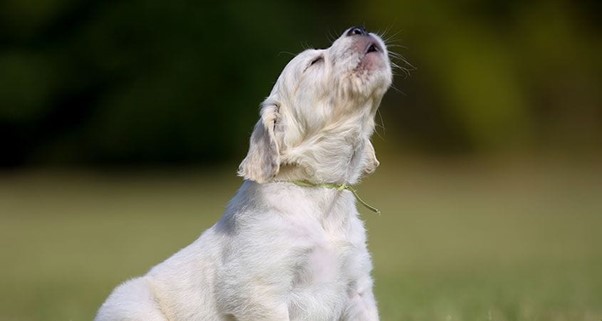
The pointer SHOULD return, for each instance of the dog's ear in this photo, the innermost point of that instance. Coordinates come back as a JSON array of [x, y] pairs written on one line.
[[263, 159], [370, 161]]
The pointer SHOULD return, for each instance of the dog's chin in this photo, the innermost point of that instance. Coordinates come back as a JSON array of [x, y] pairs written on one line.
[[373, 68], [371, 62], [370, 77], [371, 74]]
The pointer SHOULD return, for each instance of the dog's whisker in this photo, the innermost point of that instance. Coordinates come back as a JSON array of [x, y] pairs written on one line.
[[388, 39], [380, 125], [286, 53], [394, 45], [331, 36], [397, 90]]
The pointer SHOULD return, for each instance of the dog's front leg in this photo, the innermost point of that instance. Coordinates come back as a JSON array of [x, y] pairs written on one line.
[[254, 285]]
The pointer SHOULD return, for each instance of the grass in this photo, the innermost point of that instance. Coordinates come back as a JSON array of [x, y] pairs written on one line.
[[456, 241]]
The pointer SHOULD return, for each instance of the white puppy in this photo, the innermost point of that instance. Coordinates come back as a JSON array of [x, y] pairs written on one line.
[[290, 245]]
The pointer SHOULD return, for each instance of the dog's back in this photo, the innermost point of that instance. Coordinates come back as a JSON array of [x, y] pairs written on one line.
[[180, 288]]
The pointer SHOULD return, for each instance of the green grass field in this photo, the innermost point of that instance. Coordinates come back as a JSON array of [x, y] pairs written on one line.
[[456, 241]]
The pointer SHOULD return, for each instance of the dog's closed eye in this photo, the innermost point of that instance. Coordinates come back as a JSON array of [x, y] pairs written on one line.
[[315, 61]]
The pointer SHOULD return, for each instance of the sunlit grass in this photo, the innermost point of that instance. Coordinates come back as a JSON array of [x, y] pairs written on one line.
[[455, 241]]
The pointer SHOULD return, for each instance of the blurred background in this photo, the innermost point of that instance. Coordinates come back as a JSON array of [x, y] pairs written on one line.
[[122, 124]]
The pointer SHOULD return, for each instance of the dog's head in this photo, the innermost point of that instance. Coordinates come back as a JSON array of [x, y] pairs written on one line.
[[317, 121]]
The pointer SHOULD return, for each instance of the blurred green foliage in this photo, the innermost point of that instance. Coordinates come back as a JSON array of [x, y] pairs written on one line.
[[502, 74], [180, 81]]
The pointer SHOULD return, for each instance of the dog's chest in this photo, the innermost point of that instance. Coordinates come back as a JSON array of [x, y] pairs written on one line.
[[325, 277]]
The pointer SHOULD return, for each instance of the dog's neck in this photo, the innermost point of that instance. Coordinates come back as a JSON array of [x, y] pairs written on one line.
[[337, 154], [338, 187]]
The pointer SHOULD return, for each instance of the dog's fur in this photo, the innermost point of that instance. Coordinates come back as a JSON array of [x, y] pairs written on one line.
[[283, 251]]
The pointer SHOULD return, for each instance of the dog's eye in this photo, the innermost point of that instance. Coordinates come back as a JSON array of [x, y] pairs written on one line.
[[317, 59]]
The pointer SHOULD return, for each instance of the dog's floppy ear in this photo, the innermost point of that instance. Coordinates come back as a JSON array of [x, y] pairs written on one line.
[[370, 161], [263, 159]]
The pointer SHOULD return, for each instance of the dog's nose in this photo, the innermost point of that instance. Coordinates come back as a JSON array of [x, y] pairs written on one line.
[[357, 31]]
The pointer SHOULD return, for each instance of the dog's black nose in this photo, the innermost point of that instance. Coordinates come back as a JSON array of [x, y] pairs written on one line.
[[357, 31]]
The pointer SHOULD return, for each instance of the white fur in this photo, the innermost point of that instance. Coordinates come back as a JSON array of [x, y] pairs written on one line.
[[282, 251]]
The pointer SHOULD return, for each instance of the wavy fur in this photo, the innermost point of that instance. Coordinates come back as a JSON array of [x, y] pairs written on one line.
[[282, 251]]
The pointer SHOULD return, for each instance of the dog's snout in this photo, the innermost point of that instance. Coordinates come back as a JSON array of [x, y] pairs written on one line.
[[357, 31]]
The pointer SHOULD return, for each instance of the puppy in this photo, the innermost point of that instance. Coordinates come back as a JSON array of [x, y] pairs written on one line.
[[290, 245]]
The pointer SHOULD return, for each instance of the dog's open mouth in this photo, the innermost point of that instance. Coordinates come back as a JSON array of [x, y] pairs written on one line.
[[372, 56], [373, 47]]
